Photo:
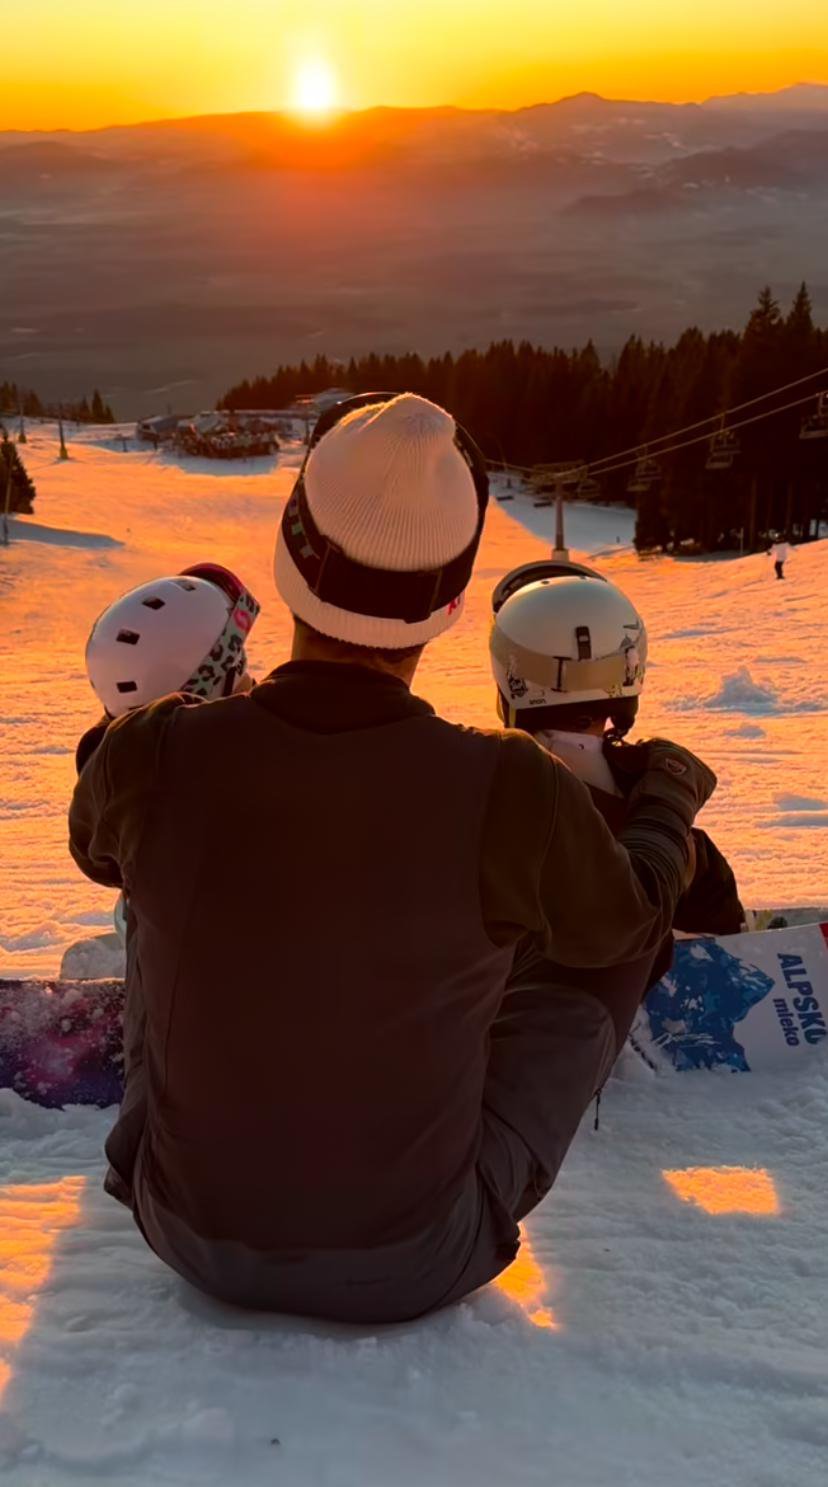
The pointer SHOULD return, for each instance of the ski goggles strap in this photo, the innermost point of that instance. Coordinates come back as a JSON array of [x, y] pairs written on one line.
[[382, 593], [563, 674], [217, 674], [221, 578], [519, 578]]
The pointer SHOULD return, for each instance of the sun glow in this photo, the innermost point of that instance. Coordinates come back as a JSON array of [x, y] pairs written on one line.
[[315, 89]]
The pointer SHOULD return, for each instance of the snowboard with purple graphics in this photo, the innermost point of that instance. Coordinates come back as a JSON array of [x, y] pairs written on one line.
[[61, 1041], [742, 1003]]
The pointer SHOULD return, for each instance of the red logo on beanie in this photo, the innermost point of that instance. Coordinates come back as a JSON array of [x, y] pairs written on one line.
[[455, 604]]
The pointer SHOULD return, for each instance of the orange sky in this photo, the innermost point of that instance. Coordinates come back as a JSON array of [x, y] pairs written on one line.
[[112, 61]]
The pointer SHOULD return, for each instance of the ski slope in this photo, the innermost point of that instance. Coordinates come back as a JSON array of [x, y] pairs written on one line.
[[666, 1318]]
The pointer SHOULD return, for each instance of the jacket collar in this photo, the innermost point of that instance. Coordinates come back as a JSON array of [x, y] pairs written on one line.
[[329, 697]]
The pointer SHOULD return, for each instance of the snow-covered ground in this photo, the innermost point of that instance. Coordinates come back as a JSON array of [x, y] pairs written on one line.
[[666, 1320]]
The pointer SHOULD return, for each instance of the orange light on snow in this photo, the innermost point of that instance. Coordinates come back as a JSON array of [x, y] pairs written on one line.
[[726, 1189], [525, 1284], [31, 1218]]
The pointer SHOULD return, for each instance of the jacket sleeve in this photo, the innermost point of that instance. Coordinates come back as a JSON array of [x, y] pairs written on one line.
[[92, 738], [711, 904], [114, 792], [551, 867]]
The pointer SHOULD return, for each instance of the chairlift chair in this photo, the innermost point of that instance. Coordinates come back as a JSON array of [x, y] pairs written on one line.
[[724, 447], [816, 426], [551, 478], [550, 481], [645, 475]]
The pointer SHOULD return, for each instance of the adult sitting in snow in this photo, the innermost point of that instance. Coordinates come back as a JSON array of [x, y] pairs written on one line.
[[334, 1102]]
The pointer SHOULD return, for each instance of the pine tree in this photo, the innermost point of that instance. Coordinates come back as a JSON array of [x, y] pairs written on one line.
[[800, 321], [16, 488], [652, 529], [32, 406], [9, 400], [100, 411]]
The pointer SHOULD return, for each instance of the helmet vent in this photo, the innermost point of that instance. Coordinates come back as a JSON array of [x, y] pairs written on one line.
[[153, 603], [184, 583], [127, 686], [128, 637], [583, 640]]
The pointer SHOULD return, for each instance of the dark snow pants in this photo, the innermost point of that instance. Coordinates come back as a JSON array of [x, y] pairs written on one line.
[[553, 1045], [779, 567]]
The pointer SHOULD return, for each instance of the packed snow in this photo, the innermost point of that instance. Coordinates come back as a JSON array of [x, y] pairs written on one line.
[[665, 1320]]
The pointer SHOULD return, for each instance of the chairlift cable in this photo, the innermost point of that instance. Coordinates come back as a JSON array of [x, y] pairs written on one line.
[[721, 417], [611, 463], [705, 438]]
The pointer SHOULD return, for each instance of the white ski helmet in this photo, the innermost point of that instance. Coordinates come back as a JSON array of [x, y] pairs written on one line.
[[180, 634], [562, 634]]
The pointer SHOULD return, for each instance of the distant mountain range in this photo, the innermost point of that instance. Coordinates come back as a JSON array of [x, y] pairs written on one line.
[[595, 127], [196, 250]]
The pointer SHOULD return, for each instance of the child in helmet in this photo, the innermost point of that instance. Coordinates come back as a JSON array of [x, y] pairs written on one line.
[[569, 655], [180, 634], [186, 633]]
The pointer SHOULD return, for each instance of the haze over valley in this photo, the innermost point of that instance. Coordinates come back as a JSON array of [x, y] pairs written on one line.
[[164, 261]]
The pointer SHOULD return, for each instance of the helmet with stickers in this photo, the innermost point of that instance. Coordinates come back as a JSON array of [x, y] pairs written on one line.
[[185, 633], [563, 635]]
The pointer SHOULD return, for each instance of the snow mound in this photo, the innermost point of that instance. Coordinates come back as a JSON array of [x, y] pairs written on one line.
[[740, 693], [800, 803], [800, 819], [100, 958], [746, 730], [23, 529]]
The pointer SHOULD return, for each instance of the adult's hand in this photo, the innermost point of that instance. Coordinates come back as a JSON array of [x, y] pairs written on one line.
[[663, 770]]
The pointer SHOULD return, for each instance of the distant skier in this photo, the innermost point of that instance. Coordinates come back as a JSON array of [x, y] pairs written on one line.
[[341, 1092], [780, 552], [569, 657]]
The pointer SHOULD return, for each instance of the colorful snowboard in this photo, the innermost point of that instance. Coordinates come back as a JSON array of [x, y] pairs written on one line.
[[60, 1041], [743, 1002]]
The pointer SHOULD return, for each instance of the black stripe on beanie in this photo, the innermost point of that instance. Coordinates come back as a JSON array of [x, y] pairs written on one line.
[[381, 593]]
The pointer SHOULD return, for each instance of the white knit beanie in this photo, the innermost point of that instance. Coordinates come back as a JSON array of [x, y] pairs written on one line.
[[390, 487]]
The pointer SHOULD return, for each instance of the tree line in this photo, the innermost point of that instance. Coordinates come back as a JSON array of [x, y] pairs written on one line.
[[527, 405], [15, 400]]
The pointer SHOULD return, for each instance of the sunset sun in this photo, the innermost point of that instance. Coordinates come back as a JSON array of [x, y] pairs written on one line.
[[315, 89]]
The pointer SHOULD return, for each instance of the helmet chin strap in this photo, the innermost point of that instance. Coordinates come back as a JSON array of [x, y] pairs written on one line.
[[506, 711]]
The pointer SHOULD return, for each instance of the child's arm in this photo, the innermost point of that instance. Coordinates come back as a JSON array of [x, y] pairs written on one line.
[[711, 904], [109, 806], [89, 742]]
